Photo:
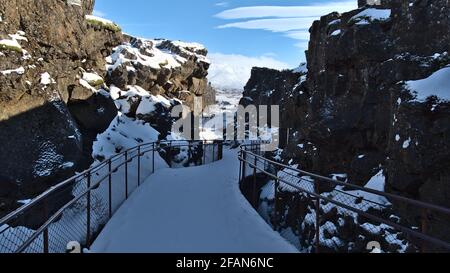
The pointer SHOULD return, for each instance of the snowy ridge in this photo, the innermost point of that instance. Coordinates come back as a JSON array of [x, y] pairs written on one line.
[[371, 15], [155, 54], [153, 58]]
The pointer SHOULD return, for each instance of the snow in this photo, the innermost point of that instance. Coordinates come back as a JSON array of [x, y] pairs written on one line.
[[67, 165], [334, 22], [227, 102], [92, 78], [188, 48], [99, 19], [149, 102], [154, 57], [10, 43], [372, 14], [123, 133], [19, 36], [146, 106], [124, 99], [86, 85], [303, 68], [377, 183], [210, 215], [438, 84], [48, 160], [46, 79], [74, 2], [372, 229], [340, 194], [406, 143], [19, 71], [193, 46], [336, 32]]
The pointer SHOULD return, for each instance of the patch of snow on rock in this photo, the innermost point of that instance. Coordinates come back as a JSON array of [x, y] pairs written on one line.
[[372, 14], [46, 79], [406, 143], [19, 71], [438, 84]]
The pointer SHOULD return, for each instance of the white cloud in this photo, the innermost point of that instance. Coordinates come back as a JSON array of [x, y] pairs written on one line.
[[222, 4], [275, 25], [99, 13], [232, 71], [315, 10], [298, 34], [291, 21]]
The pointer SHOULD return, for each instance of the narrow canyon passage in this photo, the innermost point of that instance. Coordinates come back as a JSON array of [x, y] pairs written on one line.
[[198, 209]]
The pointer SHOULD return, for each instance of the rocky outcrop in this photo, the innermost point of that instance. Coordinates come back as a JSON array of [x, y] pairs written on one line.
[[57, 97], [171, 68], [358, 112], [45, 47]]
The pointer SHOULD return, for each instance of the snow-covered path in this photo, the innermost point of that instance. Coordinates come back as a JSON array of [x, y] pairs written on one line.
[[191, 210]]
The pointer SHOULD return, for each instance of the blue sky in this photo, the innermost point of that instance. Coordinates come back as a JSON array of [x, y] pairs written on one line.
[[265, 31]]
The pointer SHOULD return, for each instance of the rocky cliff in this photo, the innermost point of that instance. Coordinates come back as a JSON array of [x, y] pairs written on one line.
[[375, 99], [62, 72]]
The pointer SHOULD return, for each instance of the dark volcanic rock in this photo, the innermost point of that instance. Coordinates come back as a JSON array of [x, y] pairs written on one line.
[[347, 113], [41, 142], [354, 113], [180, 75]]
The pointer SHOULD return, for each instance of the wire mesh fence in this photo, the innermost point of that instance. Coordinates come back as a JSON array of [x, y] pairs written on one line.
[[75, 211], [327, 215]]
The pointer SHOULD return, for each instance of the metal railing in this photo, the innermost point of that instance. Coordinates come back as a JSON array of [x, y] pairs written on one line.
[[336, 216], [77, 209]]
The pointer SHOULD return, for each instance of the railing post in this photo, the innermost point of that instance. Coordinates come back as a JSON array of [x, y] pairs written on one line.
[[276, 204], [424, 229], [255, 197], [204, 152], [317, 205], [88, 210], [126, 175], [220, 147], [45, 235], [110, 187], [214, 152], [240, 166], [153, 158], [46, 241], [244, 163], [139, 166], [170, 155], [189, 154]]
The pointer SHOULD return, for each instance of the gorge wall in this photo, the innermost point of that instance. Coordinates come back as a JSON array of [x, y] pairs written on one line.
[[65, 77], [354, 100], [375, 98]]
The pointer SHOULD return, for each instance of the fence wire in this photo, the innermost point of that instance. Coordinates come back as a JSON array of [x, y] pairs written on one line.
[[328, 215], [77, 209]]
